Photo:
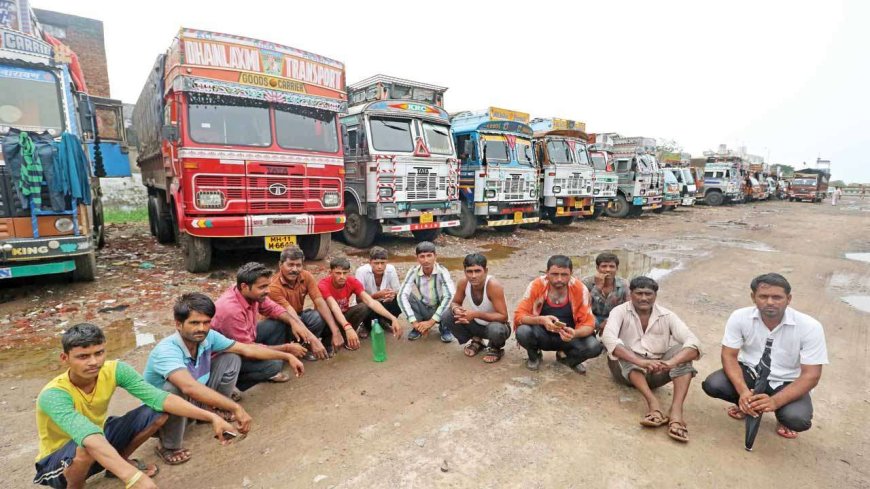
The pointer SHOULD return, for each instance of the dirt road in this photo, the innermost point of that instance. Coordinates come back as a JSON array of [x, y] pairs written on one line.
[[353, 423]]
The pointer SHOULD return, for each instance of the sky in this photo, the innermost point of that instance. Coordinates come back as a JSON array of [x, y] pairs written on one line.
[[787, 79]]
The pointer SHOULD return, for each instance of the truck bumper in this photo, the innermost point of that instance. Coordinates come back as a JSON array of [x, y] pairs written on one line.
[[18, 271], [419, 226], [30, 249], [263, 225], [688, 201]]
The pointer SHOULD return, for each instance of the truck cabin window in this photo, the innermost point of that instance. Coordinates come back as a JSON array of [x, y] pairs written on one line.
[[391, 134], [559, 151], [599, 162], [228, 121], [437, 138], [461, 142], [524, 152], [305, 128], [29, 99], [496, 150], [804, 181], [582, 154]]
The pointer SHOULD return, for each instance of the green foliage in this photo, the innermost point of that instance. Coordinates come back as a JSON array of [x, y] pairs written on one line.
[[129, 215]]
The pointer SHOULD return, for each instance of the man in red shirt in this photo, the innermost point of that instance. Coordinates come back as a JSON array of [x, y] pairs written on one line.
[[238, 310], [338, 288]]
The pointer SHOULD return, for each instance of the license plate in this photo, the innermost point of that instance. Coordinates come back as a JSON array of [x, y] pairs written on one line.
[[518, 217], [578, 203], [278, 243], [560, 210], [426, 218]]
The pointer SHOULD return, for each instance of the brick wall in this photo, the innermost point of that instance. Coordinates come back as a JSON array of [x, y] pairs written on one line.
[[85, 37]]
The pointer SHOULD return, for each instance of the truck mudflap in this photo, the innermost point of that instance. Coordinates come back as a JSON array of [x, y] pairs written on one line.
[[263, 225], [29, 249], [30, 270], [420, 226]]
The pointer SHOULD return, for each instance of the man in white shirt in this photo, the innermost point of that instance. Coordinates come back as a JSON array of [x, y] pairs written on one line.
[[648, 346], [381, 281], [796, 358]]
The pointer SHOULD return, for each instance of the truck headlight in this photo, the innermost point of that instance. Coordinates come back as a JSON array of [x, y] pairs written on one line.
[[489, 194], [557, 189], [532, 193], [210, 199], [451, 190], [331, 199], [390, 211], [560, 202], [63, 225], [385, 192], [493, 209]]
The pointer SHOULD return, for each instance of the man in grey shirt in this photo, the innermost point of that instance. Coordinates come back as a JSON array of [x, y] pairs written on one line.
[[381, 281]]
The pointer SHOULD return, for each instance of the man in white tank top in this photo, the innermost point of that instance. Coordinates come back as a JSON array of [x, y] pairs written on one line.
[[485, 317]]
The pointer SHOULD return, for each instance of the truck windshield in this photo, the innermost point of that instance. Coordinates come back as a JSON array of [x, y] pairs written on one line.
[[669, 177], [391, 134], [216, 119], [559, 151], [496, 150], [687, 176], [524, 152], [437, 138], [582, 155], [29, 99], [599, 162], [305, 128]]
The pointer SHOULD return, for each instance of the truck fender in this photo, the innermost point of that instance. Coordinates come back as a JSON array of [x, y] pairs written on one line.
[[350, 194]]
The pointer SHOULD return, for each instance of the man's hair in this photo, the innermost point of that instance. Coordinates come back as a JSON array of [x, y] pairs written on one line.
[[192, 301], [474, 259], [250, 272], [773, 279], [560, 261], [291, 252], [82, 335], [425, 247], [643, 283], [606, 257], [378, 253], [339, 262]]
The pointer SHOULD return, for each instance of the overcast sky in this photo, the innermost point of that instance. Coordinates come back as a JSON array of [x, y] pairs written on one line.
[[789, 80]]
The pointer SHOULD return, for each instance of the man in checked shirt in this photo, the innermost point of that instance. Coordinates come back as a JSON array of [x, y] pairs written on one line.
[[435, 290]]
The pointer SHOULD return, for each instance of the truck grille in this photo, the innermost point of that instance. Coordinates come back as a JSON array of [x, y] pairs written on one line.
[[270, 193], [571, 185], [421, 187], [511, 188]]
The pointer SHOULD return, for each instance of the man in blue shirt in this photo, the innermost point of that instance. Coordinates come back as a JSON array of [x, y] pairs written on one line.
[[201, 365]]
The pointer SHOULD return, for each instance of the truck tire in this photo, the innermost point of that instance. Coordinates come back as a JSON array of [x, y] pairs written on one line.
[[152, 215], [426, 234], [359, 231], [99, 224], [595, 214], [315, 246], [714, 198], [562, 220], [467, 223], [86, 267], [620, 207], [197, 253], [165, 232]]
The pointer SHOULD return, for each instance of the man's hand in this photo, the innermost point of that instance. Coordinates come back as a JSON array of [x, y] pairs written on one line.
[[567, 334], [294, 349], [744, 403], [219, 425], [423, 327], [389, 294], [599, 279], [317, 348], [352, 339], [296, 365], [652, 366], [243, 420], [397, 328], [337, 342], [461, 315], [380, 295], [549, 323], [762, 403]]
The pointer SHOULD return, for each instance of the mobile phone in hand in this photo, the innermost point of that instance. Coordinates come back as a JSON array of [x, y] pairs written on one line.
[[229, 435]]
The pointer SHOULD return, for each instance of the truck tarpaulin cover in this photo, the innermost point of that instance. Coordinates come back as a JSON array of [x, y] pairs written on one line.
[[148, 113]]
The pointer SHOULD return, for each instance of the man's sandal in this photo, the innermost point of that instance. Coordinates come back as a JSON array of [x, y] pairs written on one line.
[[171, 456], [279, 378], [473, 348], [493, 355], [678, 431], [786, 433], [654, 419], [140, 465]]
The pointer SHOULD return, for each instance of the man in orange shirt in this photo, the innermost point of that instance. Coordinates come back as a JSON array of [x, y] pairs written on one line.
[[555, 315]]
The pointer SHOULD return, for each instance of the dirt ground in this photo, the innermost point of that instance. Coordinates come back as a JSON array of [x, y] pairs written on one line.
[[350, 422]]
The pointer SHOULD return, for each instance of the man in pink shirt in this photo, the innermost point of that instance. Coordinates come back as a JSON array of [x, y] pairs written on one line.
[[237, 315]]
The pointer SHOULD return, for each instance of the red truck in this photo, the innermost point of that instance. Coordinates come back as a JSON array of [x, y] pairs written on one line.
[[239, 146]]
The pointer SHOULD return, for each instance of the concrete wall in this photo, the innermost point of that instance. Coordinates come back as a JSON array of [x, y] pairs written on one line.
[[85, 37]]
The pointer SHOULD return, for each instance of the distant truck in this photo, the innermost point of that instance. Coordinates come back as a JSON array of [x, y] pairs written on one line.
[[566, 175], [723, 179], [239, 146], [606, 181], [401, 169], [499, 178], [640, 178], [809, 184]]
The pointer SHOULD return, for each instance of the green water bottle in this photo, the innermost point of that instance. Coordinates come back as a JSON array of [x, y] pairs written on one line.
[[379, 342]]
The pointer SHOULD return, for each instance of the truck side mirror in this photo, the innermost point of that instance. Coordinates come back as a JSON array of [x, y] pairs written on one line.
[[483, 160], [170, 133], [87, 112]]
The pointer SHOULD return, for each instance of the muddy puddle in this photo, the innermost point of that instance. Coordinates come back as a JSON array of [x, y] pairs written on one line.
[[631, 264], [43, 360], [492, 251], [865, 257], [859, 302]]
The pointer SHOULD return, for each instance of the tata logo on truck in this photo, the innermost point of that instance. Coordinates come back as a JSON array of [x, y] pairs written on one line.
[[277, 189]]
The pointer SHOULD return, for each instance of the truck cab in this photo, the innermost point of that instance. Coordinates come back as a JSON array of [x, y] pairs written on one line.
[[722, 183], [606, 182], [566, 174], [640, 177], [400, 164], [808, 185], [499, 177]]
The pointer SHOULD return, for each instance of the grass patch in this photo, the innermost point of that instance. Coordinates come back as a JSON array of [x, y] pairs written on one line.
[[116, 216]]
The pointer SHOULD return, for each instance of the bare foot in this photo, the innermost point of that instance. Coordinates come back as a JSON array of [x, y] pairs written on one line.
[[785, 432]]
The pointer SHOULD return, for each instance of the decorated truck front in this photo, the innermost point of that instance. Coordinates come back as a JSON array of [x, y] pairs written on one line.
[[723, 180], [606, 181], [640, 178], [401, 167], [50, 212], [239, 146], [498, 180], [566, 176]]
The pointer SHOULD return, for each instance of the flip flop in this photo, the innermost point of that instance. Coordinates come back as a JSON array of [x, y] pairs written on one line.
[[473, 348], [678, 431], [166, 453], [785, 432], [654, 419]]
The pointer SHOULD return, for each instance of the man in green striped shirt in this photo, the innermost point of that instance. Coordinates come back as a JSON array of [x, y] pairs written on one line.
[[434, 291]]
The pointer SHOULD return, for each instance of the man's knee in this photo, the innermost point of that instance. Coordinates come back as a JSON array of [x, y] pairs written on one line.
[[227, 365], [312, 320], [83, 457], [717, 385], [797, 416], [525, 335], [498, 331]]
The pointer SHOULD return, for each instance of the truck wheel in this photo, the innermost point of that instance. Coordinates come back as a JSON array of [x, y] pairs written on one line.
[[163, 225], [152, 215], [359, 231], [714, 198], [197, 253], [426, 234], [315, 246], [635, 211], [562, 220], [86, 267], [595, 214], [467, 223], [99, 224], [620, 207]]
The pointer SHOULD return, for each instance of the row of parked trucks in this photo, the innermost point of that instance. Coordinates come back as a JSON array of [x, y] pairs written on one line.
[[246, 143]]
